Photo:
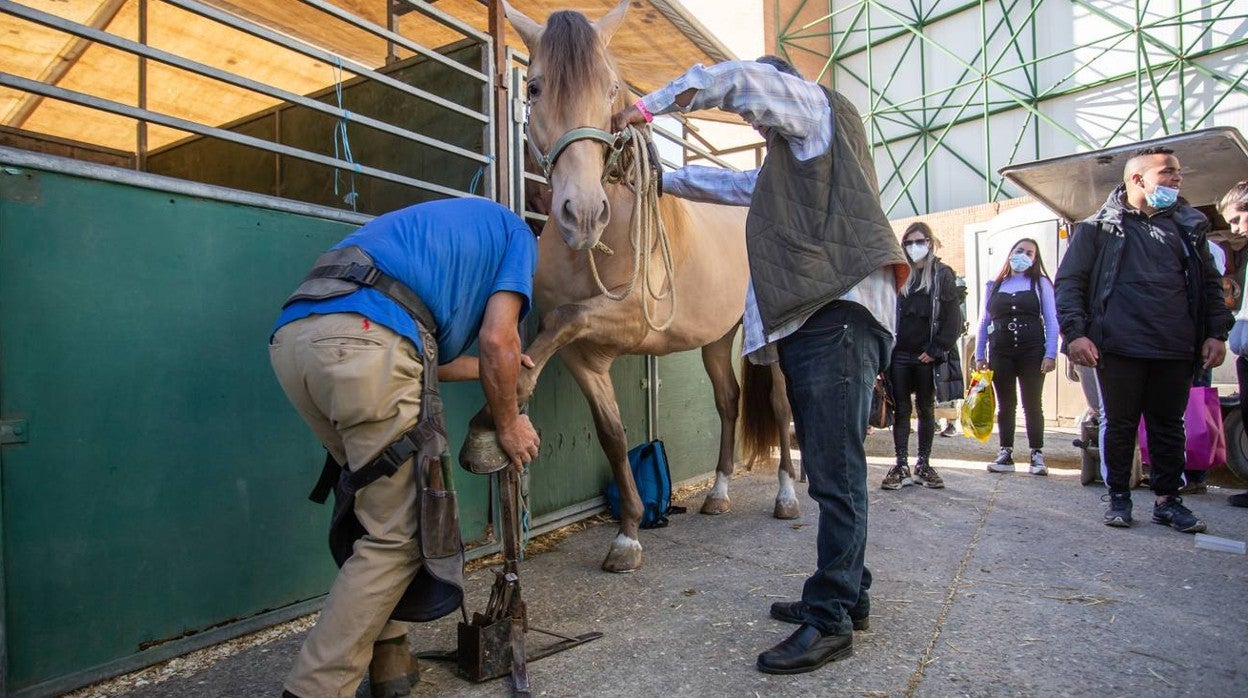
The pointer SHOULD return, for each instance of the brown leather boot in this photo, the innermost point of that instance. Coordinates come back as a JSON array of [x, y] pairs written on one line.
[[392, 670]]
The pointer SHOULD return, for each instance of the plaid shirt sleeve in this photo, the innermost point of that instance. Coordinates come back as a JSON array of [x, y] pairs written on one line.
[[713, 185], [760, 94]]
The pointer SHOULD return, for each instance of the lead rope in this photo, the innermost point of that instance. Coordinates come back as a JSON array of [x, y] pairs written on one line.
[[646, 233]]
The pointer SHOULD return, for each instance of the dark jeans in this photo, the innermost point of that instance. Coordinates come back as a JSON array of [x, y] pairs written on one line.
[[830, 365], [1156, 389], [1013, 369], [910, 377]]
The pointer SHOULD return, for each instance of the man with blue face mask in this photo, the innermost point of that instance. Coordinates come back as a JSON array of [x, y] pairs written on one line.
[[1139, 299]]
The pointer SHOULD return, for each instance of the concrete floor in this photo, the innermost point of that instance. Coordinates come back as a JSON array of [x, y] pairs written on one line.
[[998, 585]]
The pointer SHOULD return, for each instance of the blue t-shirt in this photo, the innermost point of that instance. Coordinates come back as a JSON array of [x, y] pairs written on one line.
[[453, 253]]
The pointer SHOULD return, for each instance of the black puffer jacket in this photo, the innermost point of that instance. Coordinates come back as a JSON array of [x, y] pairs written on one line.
[[1086, 276], [917, 333]]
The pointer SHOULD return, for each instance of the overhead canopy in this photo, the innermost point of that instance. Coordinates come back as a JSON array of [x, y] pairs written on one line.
[[656, 43], [1075, 186]]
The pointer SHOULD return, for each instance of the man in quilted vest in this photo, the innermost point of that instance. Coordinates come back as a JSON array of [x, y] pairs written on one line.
[[825, 267]]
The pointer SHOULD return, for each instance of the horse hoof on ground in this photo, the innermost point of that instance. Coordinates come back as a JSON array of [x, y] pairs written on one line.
[[787, 509], [716, 505], [481, 453], [625, 555]]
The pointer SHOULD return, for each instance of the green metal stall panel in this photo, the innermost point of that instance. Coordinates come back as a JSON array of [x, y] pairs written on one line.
[[156, 492], [686, 419]]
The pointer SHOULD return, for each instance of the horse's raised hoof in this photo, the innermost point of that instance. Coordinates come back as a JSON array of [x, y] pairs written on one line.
[[787, 509], [716, 505], [625, 555], [481, 453]]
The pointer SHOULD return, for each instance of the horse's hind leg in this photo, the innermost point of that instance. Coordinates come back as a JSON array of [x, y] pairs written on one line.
[[592, 374], [786, 498], [717, 358]]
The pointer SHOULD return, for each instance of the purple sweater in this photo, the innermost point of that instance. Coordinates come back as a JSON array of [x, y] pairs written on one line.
[[1048, 309]]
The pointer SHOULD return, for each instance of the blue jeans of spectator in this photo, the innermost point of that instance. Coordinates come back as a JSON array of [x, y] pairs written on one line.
[[830, 365]]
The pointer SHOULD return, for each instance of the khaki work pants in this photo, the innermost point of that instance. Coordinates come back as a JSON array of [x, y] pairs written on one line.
[[358, 385]]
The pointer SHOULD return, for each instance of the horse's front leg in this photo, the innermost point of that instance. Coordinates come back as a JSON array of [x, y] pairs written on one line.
[[717, 359], [560, 327], [591, 370], [787, 506]]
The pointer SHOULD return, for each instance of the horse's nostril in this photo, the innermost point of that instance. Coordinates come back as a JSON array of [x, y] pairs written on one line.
[[604, 212]]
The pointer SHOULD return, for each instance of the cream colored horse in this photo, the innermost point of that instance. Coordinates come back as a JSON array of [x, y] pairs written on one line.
[[572, 85]]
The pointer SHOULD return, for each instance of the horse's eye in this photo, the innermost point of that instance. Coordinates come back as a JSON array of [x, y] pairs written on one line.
[[534, 90]]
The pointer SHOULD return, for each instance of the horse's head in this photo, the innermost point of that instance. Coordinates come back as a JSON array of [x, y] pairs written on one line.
[[572, 91]]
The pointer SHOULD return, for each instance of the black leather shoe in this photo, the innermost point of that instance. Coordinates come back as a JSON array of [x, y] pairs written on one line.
[[791, 612], [805, 650]]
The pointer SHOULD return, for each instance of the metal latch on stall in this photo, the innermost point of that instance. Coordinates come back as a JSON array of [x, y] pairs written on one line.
[[14, 431]]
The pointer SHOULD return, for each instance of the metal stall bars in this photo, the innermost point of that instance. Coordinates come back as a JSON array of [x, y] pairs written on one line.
[[170, 96]]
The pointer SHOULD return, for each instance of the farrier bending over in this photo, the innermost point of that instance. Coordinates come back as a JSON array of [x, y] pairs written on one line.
[[357, 363]]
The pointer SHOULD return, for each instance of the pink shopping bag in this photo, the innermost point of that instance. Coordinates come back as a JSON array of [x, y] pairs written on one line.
[[1202, 420]]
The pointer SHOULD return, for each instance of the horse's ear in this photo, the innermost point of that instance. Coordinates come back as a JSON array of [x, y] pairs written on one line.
[[610, 22], [530, 32]]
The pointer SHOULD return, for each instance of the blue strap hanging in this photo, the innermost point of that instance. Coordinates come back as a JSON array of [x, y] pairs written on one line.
[[342, 145]]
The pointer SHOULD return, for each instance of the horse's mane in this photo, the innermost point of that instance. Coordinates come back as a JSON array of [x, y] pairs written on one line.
[[574, 60]]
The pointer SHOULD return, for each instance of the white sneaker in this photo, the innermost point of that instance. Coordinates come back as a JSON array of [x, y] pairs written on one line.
[[1004, 462], [1037, 463]]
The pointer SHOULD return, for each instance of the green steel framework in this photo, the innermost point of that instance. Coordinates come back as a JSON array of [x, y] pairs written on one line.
[[1002, 69]]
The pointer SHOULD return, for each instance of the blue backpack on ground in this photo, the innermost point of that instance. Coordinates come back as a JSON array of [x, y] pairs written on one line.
[[654, 484]]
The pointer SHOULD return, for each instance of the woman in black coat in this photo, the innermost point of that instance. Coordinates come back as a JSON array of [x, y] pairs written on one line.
[[929, 318]]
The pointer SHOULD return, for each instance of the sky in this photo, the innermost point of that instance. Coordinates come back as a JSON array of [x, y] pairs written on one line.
[[737, 23]]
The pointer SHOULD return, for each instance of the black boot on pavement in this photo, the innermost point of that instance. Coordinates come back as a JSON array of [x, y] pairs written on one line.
[[805, 650], [791, 612]]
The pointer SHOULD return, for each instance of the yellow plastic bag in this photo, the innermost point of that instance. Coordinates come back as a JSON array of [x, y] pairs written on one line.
[[979, 410]]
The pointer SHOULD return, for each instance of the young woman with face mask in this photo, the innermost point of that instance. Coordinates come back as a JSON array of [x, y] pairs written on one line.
[[922, 342], [1234, 208], [1017, 339]]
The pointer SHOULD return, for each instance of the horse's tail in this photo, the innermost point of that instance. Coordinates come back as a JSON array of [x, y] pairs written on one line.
[[757, 426]]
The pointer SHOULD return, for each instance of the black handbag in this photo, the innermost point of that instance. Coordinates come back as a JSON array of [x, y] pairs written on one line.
[[947, 372], [950, 384], [881, 415]]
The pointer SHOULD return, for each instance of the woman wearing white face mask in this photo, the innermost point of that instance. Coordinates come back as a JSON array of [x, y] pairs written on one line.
[[1017, 339], [922, 343]]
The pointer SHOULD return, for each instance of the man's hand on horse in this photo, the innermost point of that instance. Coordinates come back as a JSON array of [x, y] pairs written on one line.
[[628, 116], [519, 441]]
